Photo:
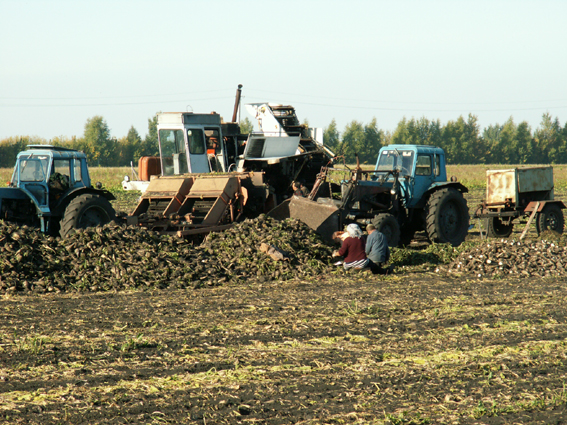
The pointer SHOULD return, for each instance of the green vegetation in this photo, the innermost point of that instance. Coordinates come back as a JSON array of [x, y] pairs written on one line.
[[462, 139]]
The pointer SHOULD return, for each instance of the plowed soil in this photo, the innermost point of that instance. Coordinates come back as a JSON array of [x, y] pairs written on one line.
[[408, 348], [412, 348]]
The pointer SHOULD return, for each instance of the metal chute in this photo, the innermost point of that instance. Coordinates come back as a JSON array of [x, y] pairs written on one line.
[[323, 218]]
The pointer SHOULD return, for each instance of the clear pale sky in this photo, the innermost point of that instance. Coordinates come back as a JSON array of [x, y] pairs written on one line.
[[64, 61]]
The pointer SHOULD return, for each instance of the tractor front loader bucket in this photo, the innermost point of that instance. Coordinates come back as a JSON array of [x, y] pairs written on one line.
[[324, 218]]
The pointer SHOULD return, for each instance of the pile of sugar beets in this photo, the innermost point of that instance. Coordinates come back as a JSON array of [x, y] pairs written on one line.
[[118, 257], [546, 257]]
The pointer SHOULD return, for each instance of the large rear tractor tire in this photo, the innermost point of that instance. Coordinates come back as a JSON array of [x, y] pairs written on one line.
[[447, 217], [495, 228], [550, 218], [388, 225], [87, 210]]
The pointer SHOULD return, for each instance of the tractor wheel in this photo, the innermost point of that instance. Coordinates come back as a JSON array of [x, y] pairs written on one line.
[[84, 211], [550, 218], [496, 229], [388, 225], [447, 217]]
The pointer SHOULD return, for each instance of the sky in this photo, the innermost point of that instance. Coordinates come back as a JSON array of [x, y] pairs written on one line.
[[65, 61]]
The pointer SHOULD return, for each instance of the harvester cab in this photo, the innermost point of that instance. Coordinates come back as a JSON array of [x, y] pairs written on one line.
[[196, 143]]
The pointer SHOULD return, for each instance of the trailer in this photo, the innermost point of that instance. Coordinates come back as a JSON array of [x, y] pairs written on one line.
[[517, 193]]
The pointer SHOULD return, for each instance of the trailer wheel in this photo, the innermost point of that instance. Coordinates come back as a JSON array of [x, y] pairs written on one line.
[[87, 210], [495, 228], [550, 218], [447, 217], [388, 225]]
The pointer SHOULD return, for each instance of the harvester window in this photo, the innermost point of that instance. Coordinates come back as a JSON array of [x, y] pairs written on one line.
[[423, 165], [196, 141], [173, 156]]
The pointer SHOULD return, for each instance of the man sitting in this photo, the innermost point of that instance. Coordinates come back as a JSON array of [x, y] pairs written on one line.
[[377, 250]]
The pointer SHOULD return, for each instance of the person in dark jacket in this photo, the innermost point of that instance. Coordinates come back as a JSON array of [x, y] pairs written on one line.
[[299, 189], [377, 250]]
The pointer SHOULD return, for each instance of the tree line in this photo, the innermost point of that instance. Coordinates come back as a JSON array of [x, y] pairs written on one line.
[[101, 148], [462, 140]]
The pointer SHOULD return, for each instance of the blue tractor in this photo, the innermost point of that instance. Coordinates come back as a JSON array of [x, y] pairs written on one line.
[[51, 189], [407, 192]]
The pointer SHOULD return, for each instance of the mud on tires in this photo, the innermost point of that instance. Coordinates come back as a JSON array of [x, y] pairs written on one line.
[[447, 217], [84, 211], [388, 225]]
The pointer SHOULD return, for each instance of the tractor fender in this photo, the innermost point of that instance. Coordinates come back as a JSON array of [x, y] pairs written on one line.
[[437, 186], [532, 205], [62, 203]]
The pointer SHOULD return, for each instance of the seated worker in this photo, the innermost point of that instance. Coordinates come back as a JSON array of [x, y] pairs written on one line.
[[377, 250], [352, 249], [299, 189]]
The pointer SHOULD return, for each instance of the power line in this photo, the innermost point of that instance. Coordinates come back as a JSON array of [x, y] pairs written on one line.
[[63, 105], [111, 97], [378, 108], [409, 103]]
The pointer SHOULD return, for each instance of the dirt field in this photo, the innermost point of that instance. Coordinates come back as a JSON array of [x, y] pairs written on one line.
[[414, 348], [410, 348]]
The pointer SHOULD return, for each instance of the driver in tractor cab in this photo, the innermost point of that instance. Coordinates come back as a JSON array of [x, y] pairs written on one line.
[[299, 189]]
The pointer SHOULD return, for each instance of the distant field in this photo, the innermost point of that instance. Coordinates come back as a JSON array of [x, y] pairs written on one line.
[[472, 176]]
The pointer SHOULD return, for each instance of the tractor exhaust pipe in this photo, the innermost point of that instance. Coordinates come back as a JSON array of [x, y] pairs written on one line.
[[237, 102]]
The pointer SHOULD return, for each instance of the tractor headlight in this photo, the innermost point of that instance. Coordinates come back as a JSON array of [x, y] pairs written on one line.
[[126, 179], [393, 191]]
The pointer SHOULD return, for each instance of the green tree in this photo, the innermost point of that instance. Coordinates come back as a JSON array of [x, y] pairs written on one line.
[[353, 142], [493, 148], [373, 141], [10, 147], [331, 136], [549, 141], [417, 132], [246, 126], [97, 143], [151, 145], [132, 147]]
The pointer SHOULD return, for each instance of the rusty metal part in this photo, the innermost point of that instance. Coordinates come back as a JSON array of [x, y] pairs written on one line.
[[237, 102], [531, 183], [192, 205], [321, 217]]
